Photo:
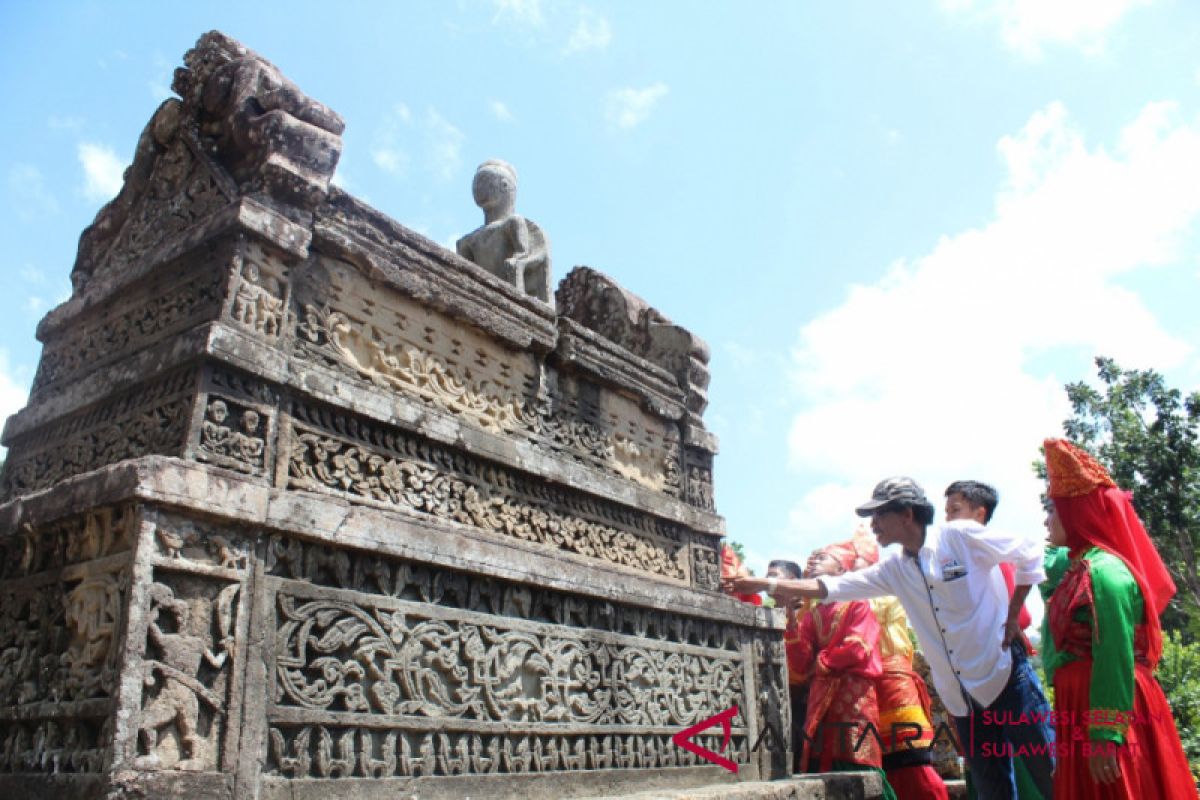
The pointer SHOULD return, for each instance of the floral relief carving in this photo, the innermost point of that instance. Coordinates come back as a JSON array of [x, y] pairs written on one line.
[[321, 461], [495, 405], [342, 656], [184, 300], [355, 655], [146, 420], [181, 191]]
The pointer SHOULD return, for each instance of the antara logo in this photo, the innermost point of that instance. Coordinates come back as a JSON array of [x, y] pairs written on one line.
[[725, 718]]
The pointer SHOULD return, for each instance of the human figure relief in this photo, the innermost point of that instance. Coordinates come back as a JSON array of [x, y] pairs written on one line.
[[507, 245], [177, 704]]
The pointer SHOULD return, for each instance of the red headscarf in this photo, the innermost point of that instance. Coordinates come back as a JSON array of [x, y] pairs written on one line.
[[1096, 513], [732, 567], [861, 550]]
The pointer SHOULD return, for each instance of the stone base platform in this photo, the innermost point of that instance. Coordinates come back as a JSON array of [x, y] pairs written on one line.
[[830, 786]]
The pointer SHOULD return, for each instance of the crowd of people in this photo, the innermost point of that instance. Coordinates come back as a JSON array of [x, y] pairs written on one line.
[[960, 586]]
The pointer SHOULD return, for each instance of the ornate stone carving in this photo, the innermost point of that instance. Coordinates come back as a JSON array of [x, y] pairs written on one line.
[[58, 626], [259, 298], [706, 565], [373, 574], [427, 479], [183, 300], [507, 245], [233, 435], [492, 406], [190, 644], [169, 188], [102, 532], [599, 303], [54, 746], [498, 391], [344, 658], [149, 419], [270, 135], [319, 751]]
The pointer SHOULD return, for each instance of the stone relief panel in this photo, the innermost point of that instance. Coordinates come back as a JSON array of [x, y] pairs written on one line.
[[397, 344], [320, 751], [61, 622], [388, 466], [339, 568], [171, 187], [407, 669], [180, 299], [233, 435], [146, 420], [699, 486], [706, 563], [55, 746], [189, 649], [194, 620], [259, 292]]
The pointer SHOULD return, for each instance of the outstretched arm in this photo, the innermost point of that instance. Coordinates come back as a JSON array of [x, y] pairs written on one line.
[[784, 590]]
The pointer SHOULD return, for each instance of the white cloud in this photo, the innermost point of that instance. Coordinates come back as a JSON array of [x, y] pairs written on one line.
[[501, 112], [103, 171], [523, 13], [628, 108], [400, 131], [591, 33], [445, 145], [386, 151], [927, 372], [29, 194], [1027, 26], [58, 122]]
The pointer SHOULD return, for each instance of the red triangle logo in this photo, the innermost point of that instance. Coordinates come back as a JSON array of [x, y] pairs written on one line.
[[725, 718]]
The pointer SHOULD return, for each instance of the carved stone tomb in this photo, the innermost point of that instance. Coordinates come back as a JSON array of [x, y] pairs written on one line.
[[305, 505]]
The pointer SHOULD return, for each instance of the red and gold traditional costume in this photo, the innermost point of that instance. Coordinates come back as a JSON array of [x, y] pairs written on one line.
[[1104, 622], [839, 644]]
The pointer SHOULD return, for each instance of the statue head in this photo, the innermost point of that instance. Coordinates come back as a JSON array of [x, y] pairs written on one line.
[[495, 185]]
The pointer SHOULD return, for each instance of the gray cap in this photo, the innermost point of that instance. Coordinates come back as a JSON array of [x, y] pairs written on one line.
[[899, 490]]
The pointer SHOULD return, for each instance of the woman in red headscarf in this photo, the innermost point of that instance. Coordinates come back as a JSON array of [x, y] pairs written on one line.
[[1116, 737], [838, 644]]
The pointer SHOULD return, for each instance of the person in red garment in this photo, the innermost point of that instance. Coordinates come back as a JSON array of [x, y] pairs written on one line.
[[838, 644], [733, 568], [904, 705], [1116, 737], [799, 669]]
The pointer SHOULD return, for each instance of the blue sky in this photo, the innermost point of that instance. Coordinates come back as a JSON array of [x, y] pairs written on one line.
[[901, 227]]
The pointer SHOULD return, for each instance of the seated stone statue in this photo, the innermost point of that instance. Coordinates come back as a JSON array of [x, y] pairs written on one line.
[[507, 245]]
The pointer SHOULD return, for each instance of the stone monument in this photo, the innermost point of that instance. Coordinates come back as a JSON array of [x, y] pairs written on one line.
[[303, 504], [507, 245]]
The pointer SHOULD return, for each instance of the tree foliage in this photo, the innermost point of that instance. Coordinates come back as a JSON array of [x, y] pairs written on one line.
[[1148, 436], [1179, 675]]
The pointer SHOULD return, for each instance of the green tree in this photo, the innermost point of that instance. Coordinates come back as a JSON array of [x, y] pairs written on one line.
[[1179, 675], [1148, 436]]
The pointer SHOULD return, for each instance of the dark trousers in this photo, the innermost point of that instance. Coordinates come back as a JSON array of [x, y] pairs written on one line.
[[991, 742]]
